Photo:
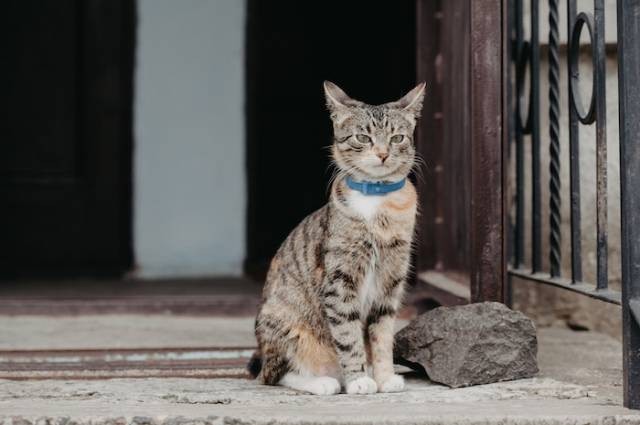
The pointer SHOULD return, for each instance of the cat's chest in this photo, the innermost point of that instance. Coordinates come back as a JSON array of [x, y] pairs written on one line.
[[369, 291], [367, 206]]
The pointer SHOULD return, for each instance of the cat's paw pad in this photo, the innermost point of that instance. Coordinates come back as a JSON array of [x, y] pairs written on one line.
[[393, 384], [324, 385], [362, 385]]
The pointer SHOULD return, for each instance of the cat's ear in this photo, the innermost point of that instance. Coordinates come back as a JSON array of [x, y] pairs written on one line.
[[412, 101], [336, 97], [338, 102]]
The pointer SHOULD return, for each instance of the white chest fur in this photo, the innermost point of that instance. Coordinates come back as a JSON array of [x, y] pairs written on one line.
[[365, 205], [369, 291]]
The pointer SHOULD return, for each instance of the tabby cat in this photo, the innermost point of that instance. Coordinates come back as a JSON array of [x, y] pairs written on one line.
[[336, 283]]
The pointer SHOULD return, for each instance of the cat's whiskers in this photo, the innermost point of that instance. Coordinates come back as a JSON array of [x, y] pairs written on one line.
[[418, 167]]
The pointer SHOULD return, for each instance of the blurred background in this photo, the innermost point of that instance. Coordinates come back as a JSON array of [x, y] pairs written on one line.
[[158, 139], [164, 147]]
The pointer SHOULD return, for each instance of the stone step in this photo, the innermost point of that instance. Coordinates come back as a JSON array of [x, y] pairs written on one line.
[[174, 401]]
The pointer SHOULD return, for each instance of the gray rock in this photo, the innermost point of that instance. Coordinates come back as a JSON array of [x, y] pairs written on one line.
[[469, 345]]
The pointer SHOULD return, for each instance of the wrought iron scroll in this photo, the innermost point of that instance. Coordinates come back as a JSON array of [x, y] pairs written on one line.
[[526, 56], [574, 168], [595, 112]]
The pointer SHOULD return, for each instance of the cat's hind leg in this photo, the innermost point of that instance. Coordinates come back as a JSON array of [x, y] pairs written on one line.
[[296, 374], [314, 364], [274, 367], [319, 385]]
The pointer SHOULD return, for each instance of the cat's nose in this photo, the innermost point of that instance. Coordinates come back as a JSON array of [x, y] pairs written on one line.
[[383, 156]]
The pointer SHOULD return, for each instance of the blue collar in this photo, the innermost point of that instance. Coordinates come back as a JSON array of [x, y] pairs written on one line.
[[374, 188]]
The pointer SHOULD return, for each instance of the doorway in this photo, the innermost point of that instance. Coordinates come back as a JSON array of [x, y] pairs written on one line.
[[65, 167], [367, 48]]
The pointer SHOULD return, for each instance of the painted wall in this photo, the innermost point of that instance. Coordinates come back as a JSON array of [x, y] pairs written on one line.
[[189, 162]]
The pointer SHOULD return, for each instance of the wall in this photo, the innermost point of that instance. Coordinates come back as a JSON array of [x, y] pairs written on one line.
[[189, 160]]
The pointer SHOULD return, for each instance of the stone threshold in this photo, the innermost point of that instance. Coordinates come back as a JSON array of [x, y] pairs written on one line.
[[174, 401]]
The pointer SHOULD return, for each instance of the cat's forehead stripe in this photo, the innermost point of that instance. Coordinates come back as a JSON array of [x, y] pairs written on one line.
[[372, 118], [378, 113]]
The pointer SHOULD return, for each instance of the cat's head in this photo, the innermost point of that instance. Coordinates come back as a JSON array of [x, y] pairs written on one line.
[[373, 142]]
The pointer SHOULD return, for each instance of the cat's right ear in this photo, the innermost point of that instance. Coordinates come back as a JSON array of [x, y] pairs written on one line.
[[338, 102]]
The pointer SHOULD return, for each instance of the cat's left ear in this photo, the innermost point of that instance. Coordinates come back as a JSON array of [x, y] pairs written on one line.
[[412, 101], [338, 102]]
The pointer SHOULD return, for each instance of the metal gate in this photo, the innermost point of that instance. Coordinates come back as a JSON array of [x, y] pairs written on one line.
[[525, 134], [483, 216]]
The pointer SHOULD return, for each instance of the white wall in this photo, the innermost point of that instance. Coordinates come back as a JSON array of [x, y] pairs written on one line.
[[189, 161]]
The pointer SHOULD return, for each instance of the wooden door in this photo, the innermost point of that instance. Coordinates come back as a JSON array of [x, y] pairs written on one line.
[[65, 160]]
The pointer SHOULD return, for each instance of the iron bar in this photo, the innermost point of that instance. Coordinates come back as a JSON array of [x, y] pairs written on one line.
[[599, 69], [507, 128], [519, 135], [596, 112], [527, 53], [554, 144], [574, 161], [607, 295], [534, 111], [629, 115]]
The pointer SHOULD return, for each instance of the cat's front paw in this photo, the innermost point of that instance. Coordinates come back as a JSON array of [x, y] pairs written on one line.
[[393, 384], [362, 385], [324, 385]]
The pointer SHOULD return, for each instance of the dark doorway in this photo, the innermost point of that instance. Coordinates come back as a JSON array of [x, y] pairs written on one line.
[[366, 47], [65, 164]]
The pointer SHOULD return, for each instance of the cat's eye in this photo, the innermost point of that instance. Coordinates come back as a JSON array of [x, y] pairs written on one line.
[[363, 138], [397, 138]]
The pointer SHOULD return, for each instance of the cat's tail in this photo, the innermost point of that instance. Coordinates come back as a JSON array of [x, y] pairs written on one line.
[[255, 364]]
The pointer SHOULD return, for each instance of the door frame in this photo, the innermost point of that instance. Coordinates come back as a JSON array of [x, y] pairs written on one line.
[[462, 54]]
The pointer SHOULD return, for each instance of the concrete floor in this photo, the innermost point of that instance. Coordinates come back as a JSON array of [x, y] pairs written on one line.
[[29, 332], [531, 401], [579, 382]]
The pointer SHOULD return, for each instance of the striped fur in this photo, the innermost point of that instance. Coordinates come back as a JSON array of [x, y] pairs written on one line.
[[335, 285]]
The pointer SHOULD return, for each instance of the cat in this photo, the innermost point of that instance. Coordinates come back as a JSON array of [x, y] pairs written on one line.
[[334, 286]]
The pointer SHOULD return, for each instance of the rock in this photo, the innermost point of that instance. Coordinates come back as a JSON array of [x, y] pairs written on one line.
[[469, 345]]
